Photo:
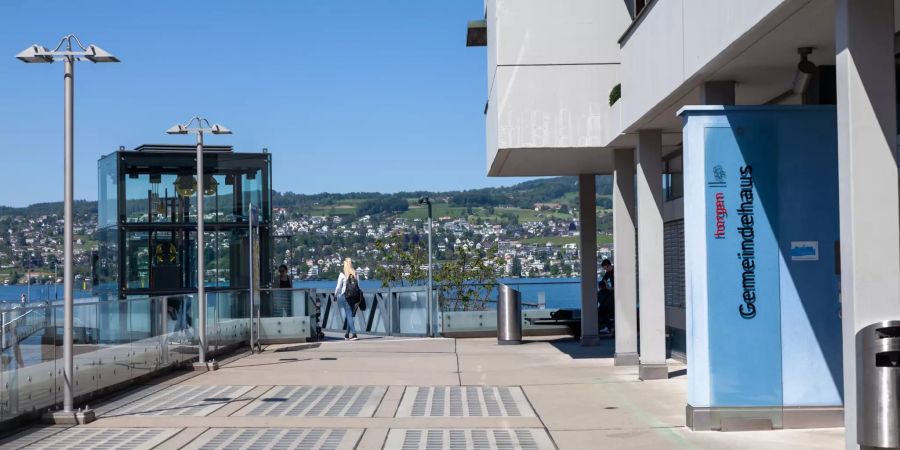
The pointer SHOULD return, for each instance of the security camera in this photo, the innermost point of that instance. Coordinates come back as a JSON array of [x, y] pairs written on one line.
[[423, 200]]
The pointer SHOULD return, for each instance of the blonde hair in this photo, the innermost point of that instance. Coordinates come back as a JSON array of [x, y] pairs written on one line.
[[348, 268]]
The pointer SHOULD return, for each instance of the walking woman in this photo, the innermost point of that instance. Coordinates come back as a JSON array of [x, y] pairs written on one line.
[[347, 293]]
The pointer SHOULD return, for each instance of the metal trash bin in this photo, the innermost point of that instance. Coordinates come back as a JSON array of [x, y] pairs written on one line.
[[509, 316], [878, 385]]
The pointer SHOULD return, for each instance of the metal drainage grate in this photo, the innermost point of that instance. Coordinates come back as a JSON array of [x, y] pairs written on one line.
[[464, 401], [464, 439], [272, 438], [183, 401], [318, 401], [106, 438]]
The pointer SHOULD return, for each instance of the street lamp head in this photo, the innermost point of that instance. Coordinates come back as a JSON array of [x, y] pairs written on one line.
[[177, 129], [424, 200], [35, 54], [98, 55], [219, 129]]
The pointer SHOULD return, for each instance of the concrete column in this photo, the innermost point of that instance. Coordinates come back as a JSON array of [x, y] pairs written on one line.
[[625, 263], [650, 256], [867, 174], [587, 199], [717, 93]]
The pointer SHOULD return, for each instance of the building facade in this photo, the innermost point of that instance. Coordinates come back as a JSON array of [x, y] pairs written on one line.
[[619, 87]]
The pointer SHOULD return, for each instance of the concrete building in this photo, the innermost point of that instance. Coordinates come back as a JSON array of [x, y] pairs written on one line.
[[681, 100]]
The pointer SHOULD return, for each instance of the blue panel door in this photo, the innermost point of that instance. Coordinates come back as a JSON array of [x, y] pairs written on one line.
[[744, 305]]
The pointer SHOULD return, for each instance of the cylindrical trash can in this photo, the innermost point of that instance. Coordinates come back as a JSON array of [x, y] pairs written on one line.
[[509, 316], [878, 385]]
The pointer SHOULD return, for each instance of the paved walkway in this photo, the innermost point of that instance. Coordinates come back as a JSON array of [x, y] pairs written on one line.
[[411, 394]]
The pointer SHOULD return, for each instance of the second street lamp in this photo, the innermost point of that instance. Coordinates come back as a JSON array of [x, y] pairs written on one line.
[[431, 315], [202, 126], [64, 52]]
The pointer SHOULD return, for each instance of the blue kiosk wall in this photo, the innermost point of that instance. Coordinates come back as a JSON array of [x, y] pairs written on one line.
[[761, 227]]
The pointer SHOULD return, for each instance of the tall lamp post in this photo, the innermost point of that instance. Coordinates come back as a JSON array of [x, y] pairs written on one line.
[[65, 52], [427, 201], [202, 126]]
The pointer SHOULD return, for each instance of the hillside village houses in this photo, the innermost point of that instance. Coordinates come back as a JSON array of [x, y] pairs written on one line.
[[35, 244], [541, 246], [514, 242]]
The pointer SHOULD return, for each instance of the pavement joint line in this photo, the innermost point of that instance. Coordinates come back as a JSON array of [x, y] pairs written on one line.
[[384, 441], [185, 431], [380, 400], [360, 437], [538, 415], [458, 372], [397, 408]]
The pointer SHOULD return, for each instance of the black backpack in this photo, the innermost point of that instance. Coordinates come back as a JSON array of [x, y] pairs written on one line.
[[351, 290]]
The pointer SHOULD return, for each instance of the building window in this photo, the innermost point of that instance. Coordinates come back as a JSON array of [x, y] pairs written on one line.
[[673, 177]]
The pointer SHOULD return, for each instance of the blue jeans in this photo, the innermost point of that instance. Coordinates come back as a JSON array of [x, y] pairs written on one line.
[[348, 313]]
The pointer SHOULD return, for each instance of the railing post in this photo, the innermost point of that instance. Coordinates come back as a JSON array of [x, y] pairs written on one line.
[[390, 303], [162, 327], [3, 317]]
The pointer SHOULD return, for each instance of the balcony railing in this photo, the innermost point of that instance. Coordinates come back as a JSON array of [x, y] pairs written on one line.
[[118, 341], [114, 342]]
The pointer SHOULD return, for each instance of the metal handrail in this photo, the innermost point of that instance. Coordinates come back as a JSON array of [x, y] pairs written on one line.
[[17, 318], [125, 300]]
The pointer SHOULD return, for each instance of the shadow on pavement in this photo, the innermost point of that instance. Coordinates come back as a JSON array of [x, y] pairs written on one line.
[[573, 348]]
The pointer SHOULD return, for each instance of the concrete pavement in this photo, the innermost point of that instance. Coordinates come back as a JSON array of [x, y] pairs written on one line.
[[412, 393]]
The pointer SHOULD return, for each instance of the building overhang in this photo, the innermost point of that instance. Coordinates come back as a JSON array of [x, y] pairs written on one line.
[[757, 50]]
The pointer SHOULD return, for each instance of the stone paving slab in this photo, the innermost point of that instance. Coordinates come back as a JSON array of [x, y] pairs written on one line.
[[106, 438], [282, 438], [486, 439], [29, 435], [314, 422], [634, 405], [181, 401], [464, 401], [324, 401]]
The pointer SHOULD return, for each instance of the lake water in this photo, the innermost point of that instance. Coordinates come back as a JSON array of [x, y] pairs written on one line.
[[557, 292], [39, 292]]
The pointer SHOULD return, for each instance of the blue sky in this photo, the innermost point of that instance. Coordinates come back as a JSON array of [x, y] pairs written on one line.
[[364, 95]]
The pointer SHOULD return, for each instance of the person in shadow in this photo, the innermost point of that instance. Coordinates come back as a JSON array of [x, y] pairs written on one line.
[[606, 296]]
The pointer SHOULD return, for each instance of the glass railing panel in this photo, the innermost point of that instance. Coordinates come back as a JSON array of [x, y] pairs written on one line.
[[27, 368], [140, 336], [113, 342], [233, 323], [180, 338], [287, 315], [113, 337], [540, 299], [411, 312]]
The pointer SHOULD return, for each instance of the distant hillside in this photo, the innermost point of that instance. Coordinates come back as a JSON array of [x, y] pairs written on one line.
[[537, 213], [82, 207], [562, 190]]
